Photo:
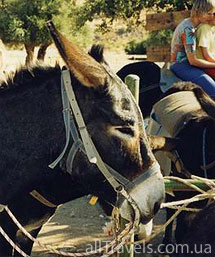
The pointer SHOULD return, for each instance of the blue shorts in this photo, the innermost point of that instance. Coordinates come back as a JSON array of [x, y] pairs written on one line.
[[187, 72]]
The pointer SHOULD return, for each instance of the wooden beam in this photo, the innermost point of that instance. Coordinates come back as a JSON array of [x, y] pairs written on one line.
[[165, 20], [158, 53]]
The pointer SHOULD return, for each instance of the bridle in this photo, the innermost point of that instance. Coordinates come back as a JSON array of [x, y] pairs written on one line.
[[72, 114], [84, 143]]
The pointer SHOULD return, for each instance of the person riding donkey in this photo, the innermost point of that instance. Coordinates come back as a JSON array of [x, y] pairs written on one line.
[[185, 62]]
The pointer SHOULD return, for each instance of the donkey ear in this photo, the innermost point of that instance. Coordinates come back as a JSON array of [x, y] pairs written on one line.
[[158, 143], [89, 72]]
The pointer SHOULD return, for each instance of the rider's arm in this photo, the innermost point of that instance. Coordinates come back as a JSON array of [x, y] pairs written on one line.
[[195, 61], [207, 55], [205, 38]]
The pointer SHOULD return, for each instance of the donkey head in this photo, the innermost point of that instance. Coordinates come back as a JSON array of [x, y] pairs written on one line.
[[115, 124]]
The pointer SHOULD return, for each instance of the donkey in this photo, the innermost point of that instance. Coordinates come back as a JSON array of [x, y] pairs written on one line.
[[190, 140], [199, 240], [194, 128], [33, 136], [150, 91]]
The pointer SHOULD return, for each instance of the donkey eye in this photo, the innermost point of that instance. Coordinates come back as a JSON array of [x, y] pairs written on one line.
[[126, 130]]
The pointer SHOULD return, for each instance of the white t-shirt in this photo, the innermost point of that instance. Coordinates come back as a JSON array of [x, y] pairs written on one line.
[[205, 38]]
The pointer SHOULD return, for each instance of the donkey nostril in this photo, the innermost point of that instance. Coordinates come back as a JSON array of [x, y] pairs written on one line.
[[156, 207]]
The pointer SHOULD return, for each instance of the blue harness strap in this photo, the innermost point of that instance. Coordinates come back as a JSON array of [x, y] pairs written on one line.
[[203, 152]]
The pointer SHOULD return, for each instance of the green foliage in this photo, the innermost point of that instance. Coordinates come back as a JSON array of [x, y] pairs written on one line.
[[66, 22], [24, 21], [10, 26], [136, 47], [110, 10], [169, 5], [158, 38]]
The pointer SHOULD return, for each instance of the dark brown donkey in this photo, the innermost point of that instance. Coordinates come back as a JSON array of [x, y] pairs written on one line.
[[188, 114], [33, 135]]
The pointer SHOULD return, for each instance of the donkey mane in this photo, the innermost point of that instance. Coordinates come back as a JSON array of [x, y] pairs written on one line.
[[97, 52], [28, 76]]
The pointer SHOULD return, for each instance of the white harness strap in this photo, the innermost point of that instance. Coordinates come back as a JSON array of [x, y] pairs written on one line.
[[91, 152]]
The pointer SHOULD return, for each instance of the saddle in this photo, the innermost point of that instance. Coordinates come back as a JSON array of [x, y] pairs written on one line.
[[174, 110]]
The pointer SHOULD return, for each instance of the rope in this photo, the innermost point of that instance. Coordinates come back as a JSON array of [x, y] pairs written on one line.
[[149, 238], [180, 209], [124, 236], [202, 196], [196, 198], [118, 246], [12, 243], [127, 232], [183, 181], [184, 209], [207, 181]]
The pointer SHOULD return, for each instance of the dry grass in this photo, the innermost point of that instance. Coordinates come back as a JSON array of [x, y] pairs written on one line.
[[13, 59]]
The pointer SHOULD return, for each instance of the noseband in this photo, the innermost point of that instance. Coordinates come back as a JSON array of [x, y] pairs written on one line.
[[72, 113]]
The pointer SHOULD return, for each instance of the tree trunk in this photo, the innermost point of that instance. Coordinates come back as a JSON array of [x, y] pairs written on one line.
[[42, 51], [30, 54]]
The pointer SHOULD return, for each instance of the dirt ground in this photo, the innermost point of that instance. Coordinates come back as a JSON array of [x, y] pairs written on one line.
[[74, 226], [78, 226]]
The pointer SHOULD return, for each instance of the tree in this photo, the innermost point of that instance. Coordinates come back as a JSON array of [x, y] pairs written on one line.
[[24, 22], [110, 10]]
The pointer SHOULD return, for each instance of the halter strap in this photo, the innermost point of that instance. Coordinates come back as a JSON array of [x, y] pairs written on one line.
[[78, 144], [66, 117], [89, 148]]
